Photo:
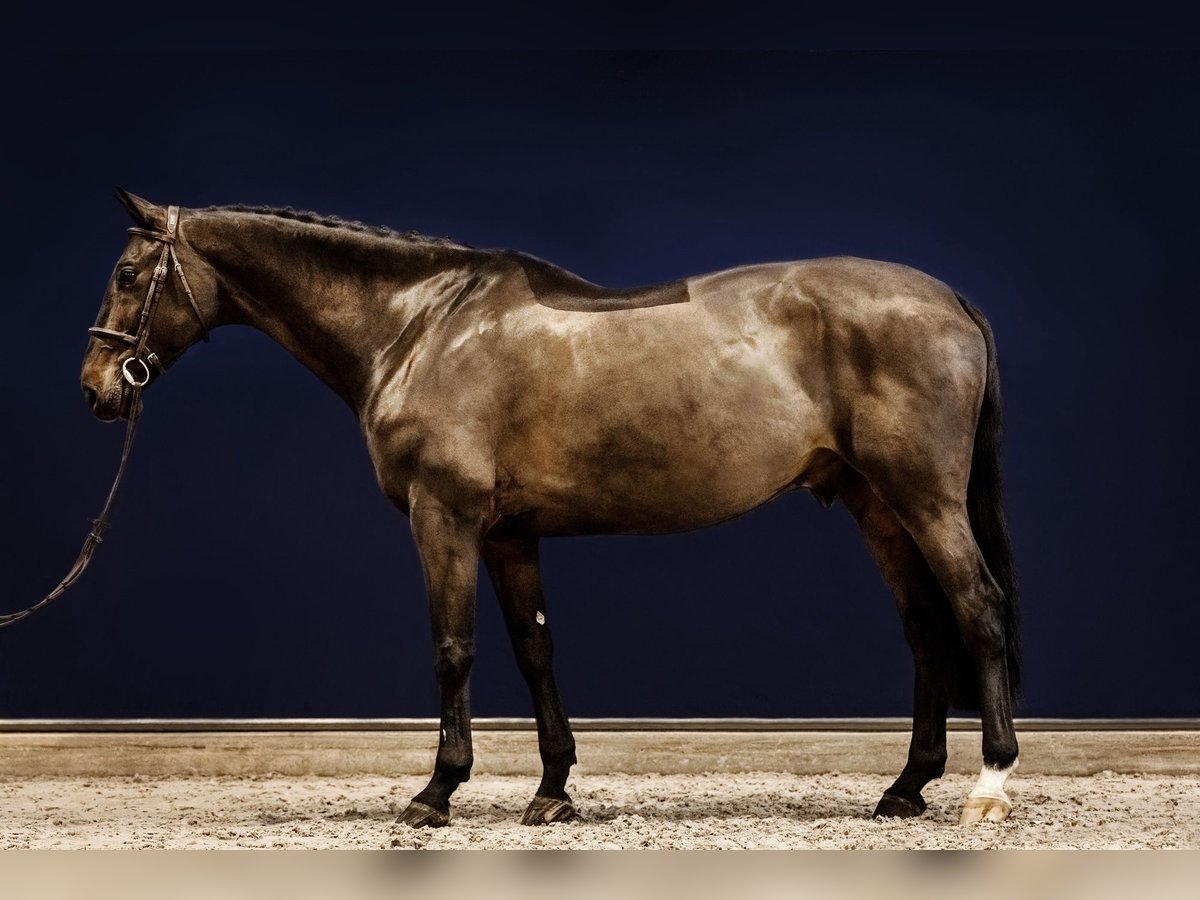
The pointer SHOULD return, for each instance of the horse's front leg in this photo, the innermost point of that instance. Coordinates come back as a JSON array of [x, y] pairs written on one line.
[[512, 565], [448, 543]]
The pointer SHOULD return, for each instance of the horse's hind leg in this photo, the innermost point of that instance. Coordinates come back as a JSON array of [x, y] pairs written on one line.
[[512, 565], [942, 529], [931, 634], [923, 428]]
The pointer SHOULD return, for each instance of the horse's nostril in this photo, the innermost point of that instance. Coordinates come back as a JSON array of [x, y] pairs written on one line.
[[90, 396]]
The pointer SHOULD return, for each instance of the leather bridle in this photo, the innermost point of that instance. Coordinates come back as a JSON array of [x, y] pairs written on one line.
[[141, 355], [135, 381]]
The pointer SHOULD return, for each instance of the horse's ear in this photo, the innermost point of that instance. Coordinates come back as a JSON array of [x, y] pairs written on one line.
[[143, 212]]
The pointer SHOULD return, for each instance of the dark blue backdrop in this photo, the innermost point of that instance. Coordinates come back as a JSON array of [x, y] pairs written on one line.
[[254, 568]]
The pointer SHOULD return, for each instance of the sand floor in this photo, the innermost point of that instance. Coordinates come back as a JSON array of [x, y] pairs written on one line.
[[619, 811]]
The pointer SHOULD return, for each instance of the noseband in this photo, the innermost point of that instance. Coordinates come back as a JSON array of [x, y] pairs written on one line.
[[136, 368], [136, 379]]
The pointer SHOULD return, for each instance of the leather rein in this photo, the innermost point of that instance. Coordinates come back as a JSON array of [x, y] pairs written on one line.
[[135, 380]]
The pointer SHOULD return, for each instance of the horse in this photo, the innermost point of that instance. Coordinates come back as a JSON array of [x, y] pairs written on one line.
[[504, 399]]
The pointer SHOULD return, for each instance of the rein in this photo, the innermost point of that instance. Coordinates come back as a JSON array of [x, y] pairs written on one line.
[[135, 382]]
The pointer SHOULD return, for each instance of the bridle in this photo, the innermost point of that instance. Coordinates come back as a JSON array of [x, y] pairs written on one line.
[[141, 355], [135, 381]]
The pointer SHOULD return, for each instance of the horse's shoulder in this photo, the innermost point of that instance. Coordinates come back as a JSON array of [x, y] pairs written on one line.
[[557, 288]]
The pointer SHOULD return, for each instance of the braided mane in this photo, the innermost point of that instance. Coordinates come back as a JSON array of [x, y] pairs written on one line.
[[312, 218]]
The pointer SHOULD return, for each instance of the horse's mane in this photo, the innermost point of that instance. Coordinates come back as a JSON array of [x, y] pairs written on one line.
[[312, 218]]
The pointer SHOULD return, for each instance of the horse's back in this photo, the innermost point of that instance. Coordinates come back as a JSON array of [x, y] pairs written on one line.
[[842, 285]]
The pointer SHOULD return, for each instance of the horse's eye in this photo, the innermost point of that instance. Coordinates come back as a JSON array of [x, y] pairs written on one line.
[[126, 277]]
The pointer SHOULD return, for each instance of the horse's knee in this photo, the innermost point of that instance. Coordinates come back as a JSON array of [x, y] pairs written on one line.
[[453, 661]]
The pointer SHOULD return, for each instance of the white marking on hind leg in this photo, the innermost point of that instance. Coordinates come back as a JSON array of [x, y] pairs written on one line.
[[991, 783], [987, 801]]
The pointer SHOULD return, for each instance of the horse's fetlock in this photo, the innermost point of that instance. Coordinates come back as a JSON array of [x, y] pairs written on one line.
[[559, 754], [455, 766], [1000, 754], [930, 762]]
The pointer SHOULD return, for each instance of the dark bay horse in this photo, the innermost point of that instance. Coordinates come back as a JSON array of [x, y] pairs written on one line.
[[503, 399]]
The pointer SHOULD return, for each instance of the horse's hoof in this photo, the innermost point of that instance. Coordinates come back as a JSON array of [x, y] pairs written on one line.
[[420, 815], [547, 811], [985, 809], [893, 807]]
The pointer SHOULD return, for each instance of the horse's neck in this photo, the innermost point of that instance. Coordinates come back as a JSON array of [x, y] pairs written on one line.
[[333, 300]]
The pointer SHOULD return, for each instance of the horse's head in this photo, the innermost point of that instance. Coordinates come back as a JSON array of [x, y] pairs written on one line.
[[153, 310]]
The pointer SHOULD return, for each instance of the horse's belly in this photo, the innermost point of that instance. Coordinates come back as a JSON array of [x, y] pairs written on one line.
[[686, 448], [638, 500]]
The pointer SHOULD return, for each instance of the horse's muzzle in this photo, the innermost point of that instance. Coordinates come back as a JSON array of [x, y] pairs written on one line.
[[107, 406]]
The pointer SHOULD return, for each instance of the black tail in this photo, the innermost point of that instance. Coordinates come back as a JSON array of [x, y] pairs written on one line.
[[985, 506]]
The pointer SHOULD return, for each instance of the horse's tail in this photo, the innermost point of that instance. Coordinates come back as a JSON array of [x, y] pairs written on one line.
[[985, 507]]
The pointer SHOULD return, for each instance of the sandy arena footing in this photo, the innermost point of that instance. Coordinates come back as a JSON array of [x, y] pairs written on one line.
[[618, 811]]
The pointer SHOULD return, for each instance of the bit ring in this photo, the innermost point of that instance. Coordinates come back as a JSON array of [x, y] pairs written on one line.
[[130, 377]]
